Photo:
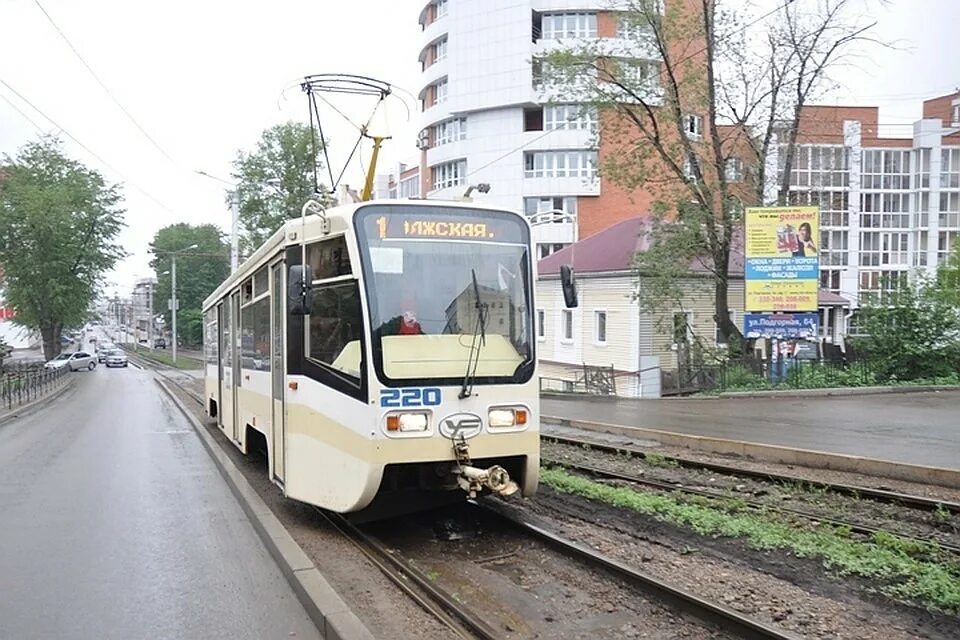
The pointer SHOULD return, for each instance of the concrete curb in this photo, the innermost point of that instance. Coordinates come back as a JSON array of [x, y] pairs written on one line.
[[325, 607], [773, 453], [837, 391], [26, 409]]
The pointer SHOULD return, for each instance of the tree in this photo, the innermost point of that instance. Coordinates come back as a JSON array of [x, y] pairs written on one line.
[[59, 221], [695, 129], [948, 279], [913, 333], [199, 272], [274, 180]]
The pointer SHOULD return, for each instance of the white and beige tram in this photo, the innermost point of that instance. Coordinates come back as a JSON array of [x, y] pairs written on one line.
[[396, 370]]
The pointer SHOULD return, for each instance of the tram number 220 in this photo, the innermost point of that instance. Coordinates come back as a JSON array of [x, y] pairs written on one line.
[[411, 397]]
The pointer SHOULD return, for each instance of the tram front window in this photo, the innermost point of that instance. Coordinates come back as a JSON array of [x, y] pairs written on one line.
[[420, 265]]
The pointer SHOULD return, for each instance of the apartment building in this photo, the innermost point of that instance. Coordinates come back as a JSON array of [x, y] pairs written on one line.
[[488, 115], [890, 206]]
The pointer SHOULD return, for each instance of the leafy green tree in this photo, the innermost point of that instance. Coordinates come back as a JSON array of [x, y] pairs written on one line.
[[948, 279], [913, 333], [697, 126], [199, 271], [59, 222], [274, 180]]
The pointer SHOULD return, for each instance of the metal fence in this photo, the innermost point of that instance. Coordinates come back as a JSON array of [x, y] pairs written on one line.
[[24, 383]]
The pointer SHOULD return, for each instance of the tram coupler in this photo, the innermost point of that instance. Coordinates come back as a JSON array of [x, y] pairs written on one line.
[[473, 480]]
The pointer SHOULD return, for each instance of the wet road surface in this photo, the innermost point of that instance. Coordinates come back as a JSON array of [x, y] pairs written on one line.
[[916, 428], [114, 523]]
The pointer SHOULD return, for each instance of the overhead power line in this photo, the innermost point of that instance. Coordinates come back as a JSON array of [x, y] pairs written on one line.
[[102, 85], [93, 153]]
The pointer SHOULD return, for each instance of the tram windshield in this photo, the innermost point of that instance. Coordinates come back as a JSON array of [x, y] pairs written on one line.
[[425, 310]]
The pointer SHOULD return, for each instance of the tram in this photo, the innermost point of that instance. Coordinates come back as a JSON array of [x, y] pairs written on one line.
[[382, 353]]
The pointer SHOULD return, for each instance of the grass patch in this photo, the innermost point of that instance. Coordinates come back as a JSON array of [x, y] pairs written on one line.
[[906, 570], [183, 362]]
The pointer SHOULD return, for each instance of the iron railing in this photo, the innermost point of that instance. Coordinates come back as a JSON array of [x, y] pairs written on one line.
[[20, 384]]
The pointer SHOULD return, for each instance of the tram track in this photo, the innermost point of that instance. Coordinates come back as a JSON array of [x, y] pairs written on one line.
[[670, 487], [856, 491], [465, 623]]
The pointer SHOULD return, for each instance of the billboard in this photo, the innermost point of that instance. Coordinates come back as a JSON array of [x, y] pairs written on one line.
[[782, 264], [781, 325]]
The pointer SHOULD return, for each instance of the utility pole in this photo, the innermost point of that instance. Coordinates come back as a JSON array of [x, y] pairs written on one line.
[[234, 230], [149, 315], [173, 300]]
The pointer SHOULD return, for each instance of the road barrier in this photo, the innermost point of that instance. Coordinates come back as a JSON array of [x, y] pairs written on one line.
[[24, 385]]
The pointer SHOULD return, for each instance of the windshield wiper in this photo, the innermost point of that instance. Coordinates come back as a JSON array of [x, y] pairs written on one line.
[[479, 330]]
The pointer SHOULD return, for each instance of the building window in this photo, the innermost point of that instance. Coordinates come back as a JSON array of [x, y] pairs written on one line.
[[439, 49], [440, 8], [544, 249], [682, 327], [560, 164], [637, 75], [950, 168], [955, 118], [556, 204], [410, 187], [882, 249], [830, 279], [921, 162], [450, 131], [541, 324], [533, 119], [817, 166], [569, 116], [633, 25], [734, 170], [688, 172], [440, 91], [949, 209], [567, 325], [568, 25], [693, 126], [600, 324], [449, 174], [883, 169]]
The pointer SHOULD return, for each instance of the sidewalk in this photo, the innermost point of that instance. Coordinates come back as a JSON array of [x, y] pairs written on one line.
[[916, 428]]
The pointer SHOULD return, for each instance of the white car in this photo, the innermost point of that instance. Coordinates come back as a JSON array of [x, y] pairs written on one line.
[[75, 360], [116, 358]]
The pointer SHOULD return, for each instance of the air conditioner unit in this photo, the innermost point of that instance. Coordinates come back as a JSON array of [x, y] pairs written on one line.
[[423, 140]]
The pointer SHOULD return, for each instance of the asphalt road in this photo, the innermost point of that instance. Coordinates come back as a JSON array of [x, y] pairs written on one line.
[[114, 523], [916, 428]]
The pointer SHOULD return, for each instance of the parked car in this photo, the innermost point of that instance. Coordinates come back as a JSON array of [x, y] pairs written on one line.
[[159, 343], [65, 340], [75, 360], [116, 358], [103, 349]]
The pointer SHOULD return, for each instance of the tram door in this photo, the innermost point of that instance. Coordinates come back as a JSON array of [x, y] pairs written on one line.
[[221, 349], [235, 365], [277, 366], [226, 411]]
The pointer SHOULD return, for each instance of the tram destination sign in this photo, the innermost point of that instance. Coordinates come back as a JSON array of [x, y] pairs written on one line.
[[479, 226]]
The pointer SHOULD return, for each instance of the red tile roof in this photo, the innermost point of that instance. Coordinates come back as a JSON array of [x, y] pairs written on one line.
[[613, 249]]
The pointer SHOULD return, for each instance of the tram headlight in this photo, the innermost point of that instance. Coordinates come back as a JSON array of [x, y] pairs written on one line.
[[507, 417], [406, 422]]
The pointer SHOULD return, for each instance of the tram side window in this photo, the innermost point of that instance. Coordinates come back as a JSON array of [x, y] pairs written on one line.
[[329, 258], [255, 335], [336, 326], [211, 349]]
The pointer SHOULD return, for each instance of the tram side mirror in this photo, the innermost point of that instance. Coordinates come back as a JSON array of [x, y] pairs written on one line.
[[569, 286], [300, 290]]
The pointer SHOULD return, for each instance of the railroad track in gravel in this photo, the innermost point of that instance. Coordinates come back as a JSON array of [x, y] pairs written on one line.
[[707, 611], [756, 505], [878, 495]]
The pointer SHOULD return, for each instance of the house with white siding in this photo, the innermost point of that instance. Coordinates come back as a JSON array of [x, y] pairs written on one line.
[[609, 329]]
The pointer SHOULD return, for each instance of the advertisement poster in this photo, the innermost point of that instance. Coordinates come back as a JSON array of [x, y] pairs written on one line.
[[782, 265], [781, 325]]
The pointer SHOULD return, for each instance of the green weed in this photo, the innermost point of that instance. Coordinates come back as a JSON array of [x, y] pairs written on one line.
[[890, 560]]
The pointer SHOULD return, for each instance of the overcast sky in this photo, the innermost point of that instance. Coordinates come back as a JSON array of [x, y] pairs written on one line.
[[205, 77]]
